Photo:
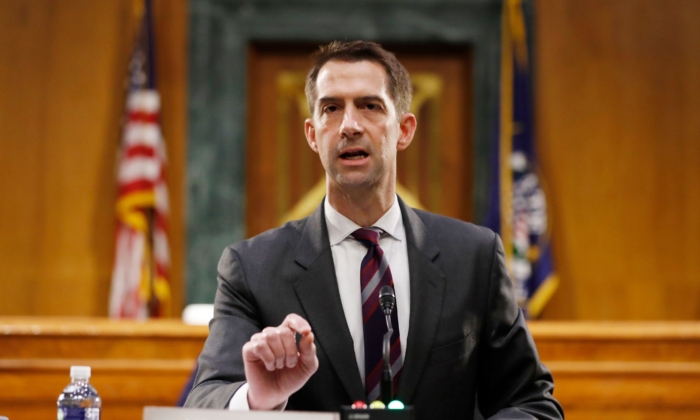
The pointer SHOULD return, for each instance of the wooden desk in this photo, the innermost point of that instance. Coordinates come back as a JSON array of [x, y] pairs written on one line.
[[622, 370], [134, 364]]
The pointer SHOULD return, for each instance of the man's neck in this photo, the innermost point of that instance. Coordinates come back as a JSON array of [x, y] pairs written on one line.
[[363, 207]]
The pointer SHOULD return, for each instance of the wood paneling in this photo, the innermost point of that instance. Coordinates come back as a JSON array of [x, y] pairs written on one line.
[[438, 166], [276, 149], [134, 364], [171, 19], [623, 370], [62, 78], [617, 104], [618, 100]]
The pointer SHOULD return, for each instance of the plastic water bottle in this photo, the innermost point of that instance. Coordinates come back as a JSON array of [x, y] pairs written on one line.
[[79, 400]]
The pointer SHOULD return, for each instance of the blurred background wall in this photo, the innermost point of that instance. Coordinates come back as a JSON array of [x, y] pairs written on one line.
[[62, 94], [617, 99]]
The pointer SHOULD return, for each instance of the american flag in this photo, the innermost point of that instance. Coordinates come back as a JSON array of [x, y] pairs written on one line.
[[140, 286]]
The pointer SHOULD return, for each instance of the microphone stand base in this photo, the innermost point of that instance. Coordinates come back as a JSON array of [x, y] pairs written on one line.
[[349, 413]]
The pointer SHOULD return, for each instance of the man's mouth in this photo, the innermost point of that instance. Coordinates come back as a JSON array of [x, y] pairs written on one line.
[[354, 155]]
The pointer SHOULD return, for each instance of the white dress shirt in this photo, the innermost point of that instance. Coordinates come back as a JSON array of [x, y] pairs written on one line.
[[347, 259], [348, 253]]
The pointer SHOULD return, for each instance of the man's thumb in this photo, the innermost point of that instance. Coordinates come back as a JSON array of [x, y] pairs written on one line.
[[307, 352]]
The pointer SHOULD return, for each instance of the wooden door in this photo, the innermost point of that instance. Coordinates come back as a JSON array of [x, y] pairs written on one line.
[[284, 177]]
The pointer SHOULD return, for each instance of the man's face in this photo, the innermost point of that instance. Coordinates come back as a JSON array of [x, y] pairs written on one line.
[[355, 129]]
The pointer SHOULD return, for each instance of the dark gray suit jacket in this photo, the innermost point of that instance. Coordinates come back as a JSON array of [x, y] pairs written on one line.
[[467, 336]]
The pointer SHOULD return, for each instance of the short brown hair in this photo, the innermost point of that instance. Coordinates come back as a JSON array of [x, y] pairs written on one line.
[[399, 85]]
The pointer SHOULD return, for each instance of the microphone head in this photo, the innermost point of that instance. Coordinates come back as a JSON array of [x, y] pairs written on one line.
[[387, 298]]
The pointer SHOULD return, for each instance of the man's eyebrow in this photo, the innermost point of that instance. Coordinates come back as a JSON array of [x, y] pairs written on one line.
[[329, 99], [360, 99], [370, 98]]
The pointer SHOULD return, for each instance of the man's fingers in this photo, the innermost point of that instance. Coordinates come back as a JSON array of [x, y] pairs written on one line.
[[272, 337], [297, 324], [287, 338], [258, 348], [276, 347], [307, 348]]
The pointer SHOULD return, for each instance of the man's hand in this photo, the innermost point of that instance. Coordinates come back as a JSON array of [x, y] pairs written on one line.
[[274, 368]]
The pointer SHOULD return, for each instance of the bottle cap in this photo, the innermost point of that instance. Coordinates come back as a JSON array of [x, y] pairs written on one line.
[[80, 372]]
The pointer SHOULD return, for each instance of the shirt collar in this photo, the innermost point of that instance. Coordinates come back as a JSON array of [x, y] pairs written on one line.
[[340, 227]]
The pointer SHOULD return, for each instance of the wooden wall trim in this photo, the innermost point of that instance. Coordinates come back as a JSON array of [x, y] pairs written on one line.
[[59, 365], [648, 330], [606, 369], [80, 327]]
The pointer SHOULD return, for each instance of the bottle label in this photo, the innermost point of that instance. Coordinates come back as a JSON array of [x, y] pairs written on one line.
[[77, 413]]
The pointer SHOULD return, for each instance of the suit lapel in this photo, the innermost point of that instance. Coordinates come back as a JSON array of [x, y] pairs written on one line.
[[427, 287], [317, 290]]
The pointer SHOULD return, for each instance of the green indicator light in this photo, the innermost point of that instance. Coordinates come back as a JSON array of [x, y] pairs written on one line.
[[395, 405]]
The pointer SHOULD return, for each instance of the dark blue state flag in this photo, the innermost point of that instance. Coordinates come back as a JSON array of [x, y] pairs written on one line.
[[518, 205]]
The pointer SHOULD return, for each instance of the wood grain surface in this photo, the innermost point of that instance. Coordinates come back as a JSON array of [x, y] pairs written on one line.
[[602, 370], [134, 364], [618, 132], [62, 77], [617, 98]]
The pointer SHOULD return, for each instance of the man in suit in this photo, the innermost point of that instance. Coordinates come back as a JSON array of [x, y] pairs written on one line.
[[460, 334]]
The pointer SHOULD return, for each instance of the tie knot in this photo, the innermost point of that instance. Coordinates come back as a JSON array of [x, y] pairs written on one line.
[[368, 237]]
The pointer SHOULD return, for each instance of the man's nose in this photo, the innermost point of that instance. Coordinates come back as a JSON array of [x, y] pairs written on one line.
[[352, 124]]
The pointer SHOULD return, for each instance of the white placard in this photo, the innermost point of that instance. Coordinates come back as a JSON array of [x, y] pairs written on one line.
[[174, 413]]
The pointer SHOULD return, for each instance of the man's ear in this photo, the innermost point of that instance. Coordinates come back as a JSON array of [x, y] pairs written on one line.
[[407, 124], [310, 133]]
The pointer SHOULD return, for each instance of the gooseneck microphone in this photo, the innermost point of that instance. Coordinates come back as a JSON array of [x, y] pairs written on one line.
[[387, 299]]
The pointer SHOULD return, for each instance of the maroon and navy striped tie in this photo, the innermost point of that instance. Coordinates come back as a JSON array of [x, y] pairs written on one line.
[[374, 274]]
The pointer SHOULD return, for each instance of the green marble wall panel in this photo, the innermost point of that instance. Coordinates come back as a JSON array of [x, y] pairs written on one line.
[[220, 33]]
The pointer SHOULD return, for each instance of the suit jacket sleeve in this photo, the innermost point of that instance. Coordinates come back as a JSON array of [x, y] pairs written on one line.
[[513, 383], [220, 372]]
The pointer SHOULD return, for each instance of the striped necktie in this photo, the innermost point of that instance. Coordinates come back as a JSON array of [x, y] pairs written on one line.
[[375, 273]]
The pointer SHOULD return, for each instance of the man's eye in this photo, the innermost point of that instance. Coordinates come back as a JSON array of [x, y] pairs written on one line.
[[330, 108], [371, 107]]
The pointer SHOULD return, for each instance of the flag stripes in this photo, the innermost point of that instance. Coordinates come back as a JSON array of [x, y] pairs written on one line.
[[140, 284]]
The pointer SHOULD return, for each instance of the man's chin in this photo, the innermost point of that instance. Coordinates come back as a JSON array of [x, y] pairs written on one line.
[[355, 182]]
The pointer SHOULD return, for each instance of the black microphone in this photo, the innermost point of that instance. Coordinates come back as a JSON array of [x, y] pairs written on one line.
[[387, 298]]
